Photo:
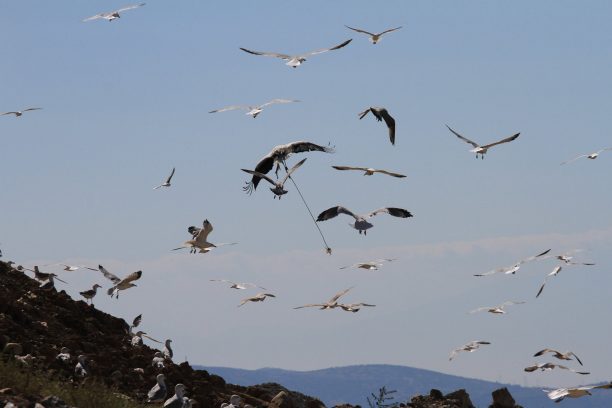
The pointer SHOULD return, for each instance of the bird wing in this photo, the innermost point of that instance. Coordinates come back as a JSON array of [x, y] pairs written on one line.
[[132, 277], [97, 16], [338, 295], [264, 166], [260, 175], [480, 309], [531, 258], [390, 122], [229, 108], [204, 231], [310, 305], [454, 353], [465, 139], [31, 109], [267, 54], [389, 30], [541, 288], [273, 101], [322, 50], [574, 159], [506, 140], [114, 278], [222, 280], [349, 168], [390, 173], [291, 170], [301, 146], [546, 350], [360, 31], [126, 8], [151, 338], [363, 113], [170, 176], [604, 149], [555, 271], [512, 302], [333, 212], [577, 359], [137, 320], [396, 212], [533, 368]]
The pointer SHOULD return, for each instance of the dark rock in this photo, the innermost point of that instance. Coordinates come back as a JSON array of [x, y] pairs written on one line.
[[503, 399]]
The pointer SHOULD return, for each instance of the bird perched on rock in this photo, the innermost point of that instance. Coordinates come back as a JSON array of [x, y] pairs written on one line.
[[158, 360], [176, 401], [89, 294], [64, 355], [158, 392], [81, 369], [167, 351]]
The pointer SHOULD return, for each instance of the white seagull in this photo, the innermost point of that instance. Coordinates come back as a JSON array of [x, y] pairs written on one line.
[[380, 114], [279, 186], [368, 171], [560, 393], [361, 224], [260, 297], [158, 360], [568, 355], [482, 150], [158, 392], [119, 284], [176, 401], [469, 347], [591, 156], [370, 265], [353, 307], [558, 268], [374, 38], [499, 309], [167, 350], [199, 241], [167, 182], [254, 110], [112, 15], [279, 155], [551, 366], [238, 285], [508, 270], [81, 369], [295, 61], [19, 113], [332, 303]]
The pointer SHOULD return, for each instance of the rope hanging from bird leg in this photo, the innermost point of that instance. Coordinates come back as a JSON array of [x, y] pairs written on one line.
[[328, 250]]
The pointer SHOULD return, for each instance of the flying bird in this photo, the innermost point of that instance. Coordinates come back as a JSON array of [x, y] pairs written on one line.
[[253, 110], [368, 171], [167, 182], [260, 297], [112, 15], [279, 186], [499, 309], [295, 61], [361, 224], [119, 284], [374, 38], [199, 241], [567, 261], [551, 366], [482, 150], [370, 265], [237, 285], [469, 347], [332, 303], [557, 354], [19, 113], [353, 307], [560, 393], [89, 294], [279, 155], [508, 270], [591, 156], [380, 114]]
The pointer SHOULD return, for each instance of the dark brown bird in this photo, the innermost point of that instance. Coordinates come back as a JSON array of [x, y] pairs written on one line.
[[380, 114]]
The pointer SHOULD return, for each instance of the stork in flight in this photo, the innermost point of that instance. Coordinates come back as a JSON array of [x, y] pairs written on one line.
[[482, 150]]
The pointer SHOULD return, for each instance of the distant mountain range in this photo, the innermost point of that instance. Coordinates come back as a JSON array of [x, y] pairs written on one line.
[[352, 384]]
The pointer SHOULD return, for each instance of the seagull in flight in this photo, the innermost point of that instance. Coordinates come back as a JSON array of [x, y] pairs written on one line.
[[238, 285], [332, 303], [199, 241], [110, 16], [119, 284], [469, 347], [279, 155], [380, 114], [361, 224], [499, 309], [370, 265], [374, 38], [253, 110], [353, 307], [260, 297], [591, 156], [19, 113], [295, 61], [557, 354], [514, 268], [560, 393], [279, 186], [482, 150], [551, 366], [167, 182], [368, 171], [558, 269]]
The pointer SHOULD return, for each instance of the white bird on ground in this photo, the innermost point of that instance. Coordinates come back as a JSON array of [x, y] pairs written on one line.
[[551, 366], [514, 268], [353, 307], [591, 156], [167, 350], [137, 338], [50, 283], [253, 110], [260, 297], [361, 224], [158, 360], [560, 393], [279, 155], [374, 38], [158, 392], [176, 401], [499, 309], [279, 186], [482, 150], [20, 112], [368, 171], [119, 284], [81, 369], [238, 285], [199, 241], [370, 265], [568, 355], [295, 61], [90, 294], [332, 303], [469, 347], [112, 15], [167, 182], [64, 355], [380, 114]]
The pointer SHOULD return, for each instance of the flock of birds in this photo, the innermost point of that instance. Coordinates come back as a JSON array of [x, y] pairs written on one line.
[[277, 159]]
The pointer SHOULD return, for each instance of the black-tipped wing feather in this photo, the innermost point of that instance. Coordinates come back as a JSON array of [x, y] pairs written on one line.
[[333, 212]]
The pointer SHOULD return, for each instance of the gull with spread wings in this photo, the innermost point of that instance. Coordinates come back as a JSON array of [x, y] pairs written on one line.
[[295, 61], [568, 355], [112, 15], [482, 150], [253, 110], [167, 182], [330, 304], [361, 224], [380, 114], [20, 112], [370, 265], [374, 38], [591, 156], [469, 347], [260, 297], [508, 270], [238, 285], [368, 171], [550, 367], [199, 241], [560, 393], [119, 284], [499, 309]]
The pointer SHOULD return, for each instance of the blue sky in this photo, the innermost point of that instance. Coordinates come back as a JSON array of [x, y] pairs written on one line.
[[126, 101]]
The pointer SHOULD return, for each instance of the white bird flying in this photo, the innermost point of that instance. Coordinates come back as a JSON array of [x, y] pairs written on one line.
[[119, 284], [566, 262], [19, 113], [560, 393], [370, 265], [551, 366], [591, 156], [253, 110], [199, 241], [353, 307], [514, 268], [361, 224], [380, 114], [499, 309], [557, 354], [112, 15], [238, 285], [332, 303], [167, 182], [469, 347], [260, 297], [279, 155], [374, 38], [482, 150], [158, 392], [90, 294], [295, 61], [279, 186], [368, 171]]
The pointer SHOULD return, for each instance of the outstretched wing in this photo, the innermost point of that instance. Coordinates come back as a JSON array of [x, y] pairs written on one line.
[[132, 277], [389, 173], [338, 295], [137, 320], [349, 168], [465, 139], [204, 231], [360, 31], [390, 122], [229, 108], [126, 8], [291, 170], [267, 54], [264, 166], [333, 212], [273, 101], [113, 278], [260, 175], [322, 50], [574, 159], [396, 212], [365, 112], [301, 146], [310, 305], [506, 140], [97, 16], [170, 176], [389, 30], [31, 109]]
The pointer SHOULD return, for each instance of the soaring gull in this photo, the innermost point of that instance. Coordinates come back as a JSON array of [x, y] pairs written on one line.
[[374, 38], [295, 61], [260, 297], [370, 265], [253, 110], [380, 114], [353, 307], [361, 224], [112, 15], [591, 156], [119, 284], [514, 268], [568, 355], [368, 171], [199, 241], [332, 303], [482, 150], [560, 393], [20, 112], [551, 366], [167, 182], [238, 285], [469, 347], [499, 309]]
